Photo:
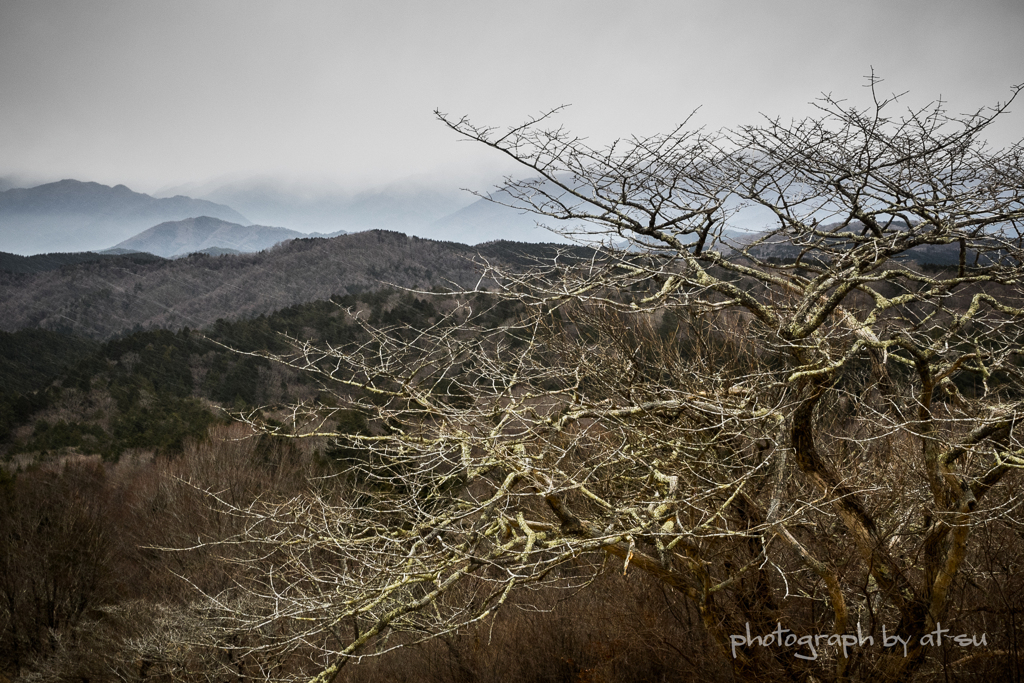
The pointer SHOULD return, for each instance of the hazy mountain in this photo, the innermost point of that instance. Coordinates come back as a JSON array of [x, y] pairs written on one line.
[[9, 183], [485, 221], [328, 235], [102, 299], [404, 206], [493, 218], [417, 206], [781, 247], [78, 216], [202, 234]]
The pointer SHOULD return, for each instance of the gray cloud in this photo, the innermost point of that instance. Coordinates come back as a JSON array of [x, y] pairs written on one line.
[[152, 94]]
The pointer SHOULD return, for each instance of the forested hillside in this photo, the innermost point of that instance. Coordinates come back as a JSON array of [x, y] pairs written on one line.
[[126, 463], [63, 395], [105, 449], [113, 450], [105, 298], [41, 263]]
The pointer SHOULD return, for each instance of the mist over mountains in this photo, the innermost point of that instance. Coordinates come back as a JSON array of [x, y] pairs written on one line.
[[71, 215], [398, 206], [9, 183], [77, 216], [414, 206]]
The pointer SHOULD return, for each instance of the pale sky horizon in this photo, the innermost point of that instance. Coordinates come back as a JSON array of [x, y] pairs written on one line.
[[158, 94]]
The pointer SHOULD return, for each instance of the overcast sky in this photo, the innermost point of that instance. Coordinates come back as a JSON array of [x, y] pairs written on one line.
[[152, 94]]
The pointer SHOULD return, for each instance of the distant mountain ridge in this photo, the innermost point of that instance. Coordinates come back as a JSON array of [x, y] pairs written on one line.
[[41, 263], [76, 216], [485, 220], [405, 205], [413, 206], [72, 215], [203, 234]]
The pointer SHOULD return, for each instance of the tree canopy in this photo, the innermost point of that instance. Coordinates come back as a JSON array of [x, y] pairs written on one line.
[[793, 425]]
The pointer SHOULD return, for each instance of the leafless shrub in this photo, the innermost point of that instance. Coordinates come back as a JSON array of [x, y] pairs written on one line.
[[816, 443]]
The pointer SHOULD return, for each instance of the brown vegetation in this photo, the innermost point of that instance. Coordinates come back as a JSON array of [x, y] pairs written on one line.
[[613, 468], [825, 443]]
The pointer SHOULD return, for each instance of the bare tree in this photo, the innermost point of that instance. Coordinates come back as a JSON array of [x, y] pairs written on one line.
[[800, 428]]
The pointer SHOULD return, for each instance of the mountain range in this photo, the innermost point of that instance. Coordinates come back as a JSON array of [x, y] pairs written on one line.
[[76, 216], [486, 220], [71, 215], [207, 235], [413, 206], [401, 206]]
